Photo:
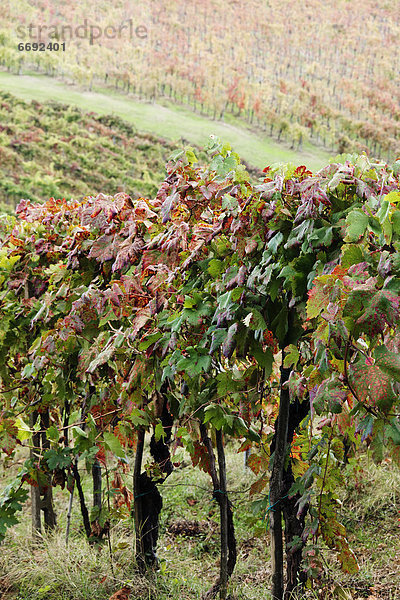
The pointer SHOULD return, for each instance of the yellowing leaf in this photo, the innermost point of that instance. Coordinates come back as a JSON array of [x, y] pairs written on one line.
[[318, 296], [24, 432]]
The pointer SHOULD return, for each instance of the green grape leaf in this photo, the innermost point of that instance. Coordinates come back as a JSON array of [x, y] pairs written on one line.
[[264, 359], [52, 434], [194, 363], [159, 432], [351, 255], [190, 155], [356, 225], [274, 243], [292, 356], [396, 222], [113, 444], [58, 459]]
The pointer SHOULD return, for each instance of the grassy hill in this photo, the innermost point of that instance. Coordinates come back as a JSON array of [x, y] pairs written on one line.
[[168, 120], [53, 149]]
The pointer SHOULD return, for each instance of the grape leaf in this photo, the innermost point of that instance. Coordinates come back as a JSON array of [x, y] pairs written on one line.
[[168, 205], [58, 459], [372, 385], [388, 362], [329, 397], [381, 310], [194, 363], [113, 444], [356, 222], [103, 248], [351, 255], [230, 343], [318, 296]]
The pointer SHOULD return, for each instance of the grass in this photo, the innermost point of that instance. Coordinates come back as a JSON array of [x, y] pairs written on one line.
[[371, 516], [188, 548], [169, 120]]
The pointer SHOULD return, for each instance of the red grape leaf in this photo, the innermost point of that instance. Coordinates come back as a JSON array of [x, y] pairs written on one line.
[[372, 385]]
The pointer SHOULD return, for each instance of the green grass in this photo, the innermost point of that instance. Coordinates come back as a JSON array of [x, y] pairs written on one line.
[[189, 559], [170, 121]]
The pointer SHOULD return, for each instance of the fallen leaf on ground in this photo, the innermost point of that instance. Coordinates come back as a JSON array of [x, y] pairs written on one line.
[[122, 594]]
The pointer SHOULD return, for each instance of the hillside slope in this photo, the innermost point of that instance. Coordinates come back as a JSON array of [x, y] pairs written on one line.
[[171, 121], [315, 71], [53, 149]]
